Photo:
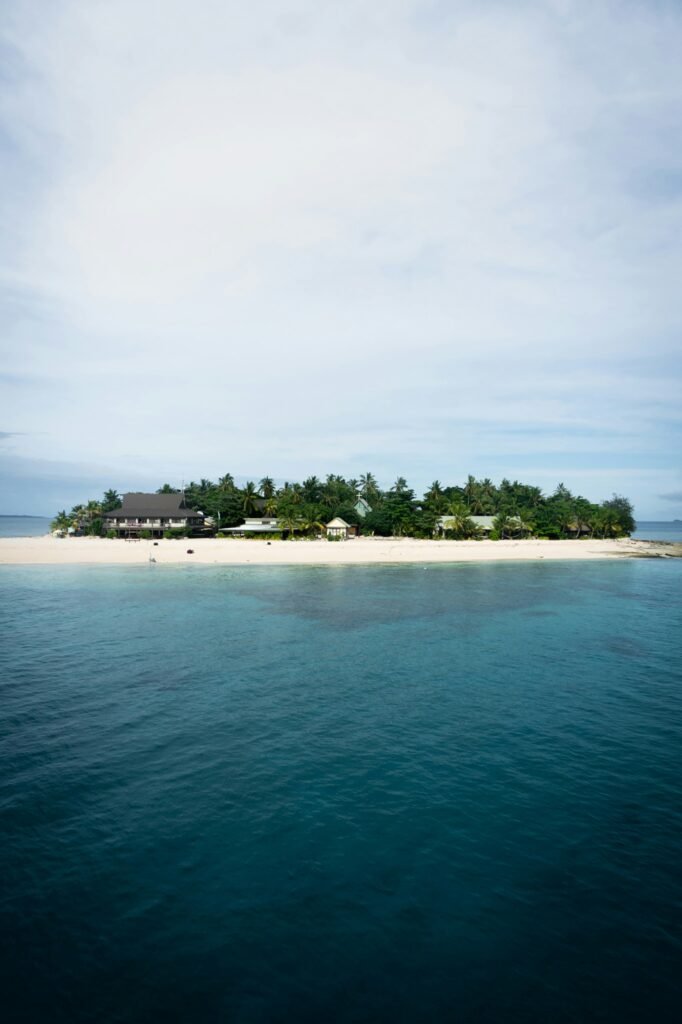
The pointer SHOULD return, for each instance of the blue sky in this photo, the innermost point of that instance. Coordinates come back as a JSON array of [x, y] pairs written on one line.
[[303, 237]]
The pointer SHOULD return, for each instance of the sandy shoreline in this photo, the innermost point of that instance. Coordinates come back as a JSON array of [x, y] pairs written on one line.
[[362, 550]]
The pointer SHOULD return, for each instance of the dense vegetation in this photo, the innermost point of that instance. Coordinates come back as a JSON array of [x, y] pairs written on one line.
[[519, 509]]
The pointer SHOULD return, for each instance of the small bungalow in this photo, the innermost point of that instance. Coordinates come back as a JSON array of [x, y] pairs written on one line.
[[485, 524], [340, 529], [152, 512]]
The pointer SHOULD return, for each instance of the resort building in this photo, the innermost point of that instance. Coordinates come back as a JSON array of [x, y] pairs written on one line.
[[484, 523], [339, 528], [253, 526], [362, 507], [153, 512]]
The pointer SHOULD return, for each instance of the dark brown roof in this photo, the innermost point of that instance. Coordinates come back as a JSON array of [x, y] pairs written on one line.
[[152, 506]]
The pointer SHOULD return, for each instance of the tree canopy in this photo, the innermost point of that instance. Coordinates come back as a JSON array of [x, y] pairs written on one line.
[[519, 509]]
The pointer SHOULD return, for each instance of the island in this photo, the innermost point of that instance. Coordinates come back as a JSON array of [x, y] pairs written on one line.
[[302, 523]]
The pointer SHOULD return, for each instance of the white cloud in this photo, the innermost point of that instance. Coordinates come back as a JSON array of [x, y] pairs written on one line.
[[271, 235]]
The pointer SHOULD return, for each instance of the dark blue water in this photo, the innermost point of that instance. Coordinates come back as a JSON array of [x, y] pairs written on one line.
[[670, 532], [24, 526], [349, 794]]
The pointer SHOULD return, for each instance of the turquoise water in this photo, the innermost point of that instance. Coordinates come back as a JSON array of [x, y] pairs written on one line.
[[23, 526], [348, 794]]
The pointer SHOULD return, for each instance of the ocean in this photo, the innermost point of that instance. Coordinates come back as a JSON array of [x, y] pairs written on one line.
[[24, 526], [353, 794], [666, 531]]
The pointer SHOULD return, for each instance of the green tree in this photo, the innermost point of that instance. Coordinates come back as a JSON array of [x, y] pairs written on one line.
[[595, 521], [61, 522], [502, 526], [311, 490], [309, 524], [249, 499], [79, 517], [289, 523], [435, 498], [459, 524], [400, 487], [582, 510], [225, 507], [526, 521], [111, 500], [624, 513], [335, 491], [379, 521], [369, 488], [267, 487], [563, 516], [472, 495], [488, 497], [562, 493]]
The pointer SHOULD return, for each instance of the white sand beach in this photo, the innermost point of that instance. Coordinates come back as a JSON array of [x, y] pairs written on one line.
[[50, 550]]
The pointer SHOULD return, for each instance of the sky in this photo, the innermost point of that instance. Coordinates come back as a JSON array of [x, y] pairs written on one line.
[[414, 237]]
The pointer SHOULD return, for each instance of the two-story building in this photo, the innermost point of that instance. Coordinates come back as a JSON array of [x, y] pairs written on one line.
[[153, 512]]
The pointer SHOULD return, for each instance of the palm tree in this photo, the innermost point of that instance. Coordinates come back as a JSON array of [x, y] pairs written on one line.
[[249, 495], [581, 518], [435, 496], [311, 490], [534, 496], [593, 521], [400, 486], [111, 500], [271, 506], [93, 514], [309, 524], [78, 516], [226, 483], [459, 522], [527, 522], [563, 514], [267, 487], [93, 511], [610, 524], [289, 523], [562, 493], [61, 522], [369, 488], [470, 490], [488, 496], [335, 491], [503, 524], [167, 489]]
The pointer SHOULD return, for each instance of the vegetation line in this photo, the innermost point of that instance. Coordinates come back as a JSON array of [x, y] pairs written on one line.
[[519, 510]]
